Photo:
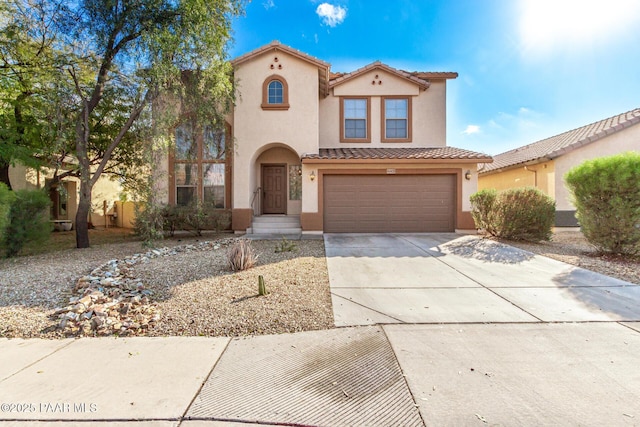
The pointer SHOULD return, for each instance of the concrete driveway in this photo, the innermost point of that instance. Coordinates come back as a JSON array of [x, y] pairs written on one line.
[[449, 278]]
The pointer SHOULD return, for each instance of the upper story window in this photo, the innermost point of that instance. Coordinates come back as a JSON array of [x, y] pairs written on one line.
[[396, 119], [275, 93], [199, 166], [355, 120]]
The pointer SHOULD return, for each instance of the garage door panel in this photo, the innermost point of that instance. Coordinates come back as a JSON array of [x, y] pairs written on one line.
[[389, 203]]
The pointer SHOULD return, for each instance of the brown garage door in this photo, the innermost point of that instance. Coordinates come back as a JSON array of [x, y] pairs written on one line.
[[389, 203]]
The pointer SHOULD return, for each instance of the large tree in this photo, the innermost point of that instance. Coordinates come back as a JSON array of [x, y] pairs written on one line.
[[120, 56], [142, 49], [34, 99]]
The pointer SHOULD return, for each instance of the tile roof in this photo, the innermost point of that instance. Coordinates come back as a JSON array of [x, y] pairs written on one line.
[[433, 153], [338, 79], [558, 145]]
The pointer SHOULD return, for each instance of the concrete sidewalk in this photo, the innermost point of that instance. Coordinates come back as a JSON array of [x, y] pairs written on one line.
[[393, 375], [470, 333]]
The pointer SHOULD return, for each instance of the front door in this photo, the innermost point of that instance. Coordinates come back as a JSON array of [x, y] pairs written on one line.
[[274, 189]]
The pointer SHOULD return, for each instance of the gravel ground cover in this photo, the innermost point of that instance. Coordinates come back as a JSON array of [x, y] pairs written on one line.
[[195, 291], [571, 247]]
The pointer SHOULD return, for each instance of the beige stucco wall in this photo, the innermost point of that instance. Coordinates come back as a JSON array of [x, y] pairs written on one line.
[[543, 173], [256, 129], [622, 141], [428, 110]]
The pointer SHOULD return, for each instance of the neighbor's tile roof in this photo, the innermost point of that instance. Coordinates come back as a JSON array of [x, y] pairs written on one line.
[[434, 153], [558, 145]]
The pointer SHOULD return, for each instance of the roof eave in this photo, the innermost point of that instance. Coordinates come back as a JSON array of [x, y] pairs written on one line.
[[395, 161]]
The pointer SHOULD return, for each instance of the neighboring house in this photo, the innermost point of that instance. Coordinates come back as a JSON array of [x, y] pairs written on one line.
[[543, 164], [65, 196], [325, 152]]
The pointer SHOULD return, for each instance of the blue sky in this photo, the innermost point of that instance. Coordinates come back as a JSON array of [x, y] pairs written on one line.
[[528, 69]]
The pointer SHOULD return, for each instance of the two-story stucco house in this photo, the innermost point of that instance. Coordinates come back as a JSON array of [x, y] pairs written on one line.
[[330, 152]]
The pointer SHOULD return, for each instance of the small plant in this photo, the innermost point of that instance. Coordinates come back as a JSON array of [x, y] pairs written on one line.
[[262, 290], [285, 246], [241, 256]]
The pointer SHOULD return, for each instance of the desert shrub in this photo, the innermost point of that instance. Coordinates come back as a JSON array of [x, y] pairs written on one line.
[[516, 214], [482, 204], [285, 246], [172, 219], [6, 198], [149, 223], [241, 256], [606, 194], [195, 218], [28, 221], [221, 219]]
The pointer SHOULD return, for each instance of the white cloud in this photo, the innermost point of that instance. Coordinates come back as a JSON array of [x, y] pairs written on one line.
[[331, 15], [268, 4], [471, 129]]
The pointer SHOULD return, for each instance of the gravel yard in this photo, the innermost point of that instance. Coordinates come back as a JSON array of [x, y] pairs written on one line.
[[571, 247], [196, 293]]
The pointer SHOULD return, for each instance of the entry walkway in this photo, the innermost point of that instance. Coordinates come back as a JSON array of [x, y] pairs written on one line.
[[448, 278]]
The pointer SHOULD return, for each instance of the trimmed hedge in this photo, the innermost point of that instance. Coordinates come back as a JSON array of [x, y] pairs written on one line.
[[515, 214], [606, 194]]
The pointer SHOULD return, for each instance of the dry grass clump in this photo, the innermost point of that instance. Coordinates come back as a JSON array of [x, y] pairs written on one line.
[[241, 256]]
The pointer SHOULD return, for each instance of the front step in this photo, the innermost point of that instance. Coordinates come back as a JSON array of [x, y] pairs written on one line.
[[277, 224]]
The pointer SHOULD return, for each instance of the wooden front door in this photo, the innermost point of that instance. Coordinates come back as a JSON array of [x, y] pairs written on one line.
[[274, 189]]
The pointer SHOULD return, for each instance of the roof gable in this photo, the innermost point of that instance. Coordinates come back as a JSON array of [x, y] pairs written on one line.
[[556, 146], [276, 46], [339, 79]]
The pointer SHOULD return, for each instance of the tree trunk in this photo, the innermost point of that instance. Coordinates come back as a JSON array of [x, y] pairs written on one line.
[[4, 174], [82, 223]]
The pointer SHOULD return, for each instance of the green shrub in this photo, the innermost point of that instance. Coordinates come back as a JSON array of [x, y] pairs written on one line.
[[482, 206], [149, 223], [6, 198], [515, 214], [606, 194], [28, 221]]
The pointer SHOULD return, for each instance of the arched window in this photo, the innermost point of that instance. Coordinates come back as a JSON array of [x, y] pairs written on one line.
[[275, 93]]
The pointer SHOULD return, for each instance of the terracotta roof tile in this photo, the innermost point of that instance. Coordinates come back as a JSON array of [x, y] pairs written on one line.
[[434, 153], [558, 145]]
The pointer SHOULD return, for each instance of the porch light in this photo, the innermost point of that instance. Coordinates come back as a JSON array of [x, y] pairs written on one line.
[[467, 175], [312, 176]]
